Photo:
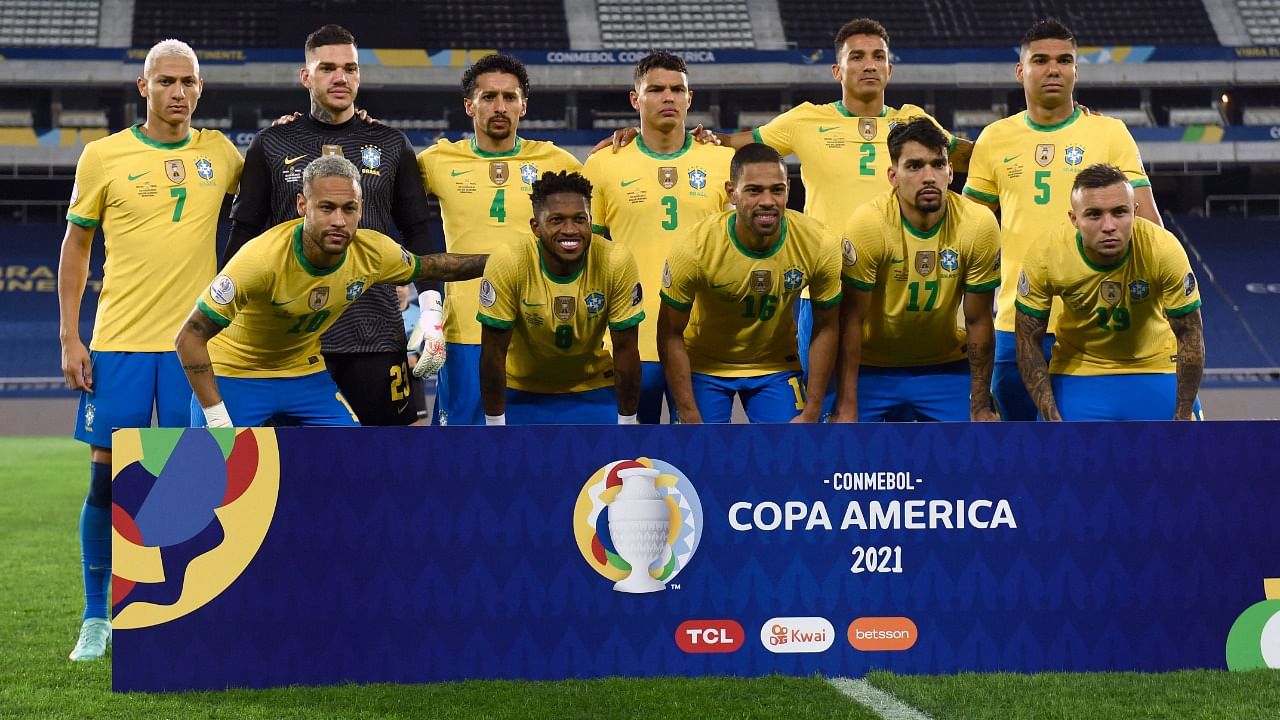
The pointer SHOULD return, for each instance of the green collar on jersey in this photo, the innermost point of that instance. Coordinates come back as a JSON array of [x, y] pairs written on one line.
[[306, 264], [884, 111], [1050, 128], [1103, 268], [559, 279], [925, 234], [768, 252], [688, 143], [137, 132], [475, 148]]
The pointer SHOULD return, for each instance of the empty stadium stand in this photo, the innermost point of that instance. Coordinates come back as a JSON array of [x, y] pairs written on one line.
[[49, 23], [625, 24], [1261, 19]]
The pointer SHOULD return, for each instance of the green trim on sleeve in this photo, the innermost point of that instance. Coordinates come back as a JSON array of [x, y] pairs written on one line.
[[494, 322], [828, 304], [417, 268], [212, 314], [1184, 310], [682, 307], [629, 322], [83, 222], [983, 287], [1140, 182], [1042, 314], [599, 229], [980, 195], [857, 283], [757, 137]]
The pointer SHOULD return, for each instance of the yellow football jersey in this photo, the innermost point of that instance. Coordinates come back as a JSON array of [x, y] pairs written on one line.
[[1028, 169], [741, 322], [1114, 318], [647, 201], [558, 323], [273, 304], [484, 198], [158, 206], [918, 279]]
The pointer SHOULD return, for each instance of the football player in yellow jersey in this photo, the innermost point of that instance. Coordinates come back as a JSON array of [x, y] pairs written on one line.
[[1023, 166], [545, 302], [280, 293], [1126, 285], [483, 185], [156, 189], [725, 327], [648, 195], [912, 257]]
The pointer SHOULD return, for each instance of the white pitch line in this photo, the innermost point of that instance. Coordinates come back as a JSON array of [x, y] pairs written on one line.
[[882, 703]]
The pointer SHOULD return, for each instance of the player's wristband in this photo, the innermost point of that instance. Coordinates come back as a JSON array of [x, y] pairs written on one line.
[[495, 419], [216, 416], [628, 420]]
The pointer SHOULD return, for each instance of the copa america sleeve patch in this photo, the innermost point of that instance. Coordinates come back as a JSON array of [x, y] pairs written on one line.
[[1024, 284], [1189, 284], [637, 295], [488, 296], [222, 290], [848, 253], [75, 192], [666, 275]]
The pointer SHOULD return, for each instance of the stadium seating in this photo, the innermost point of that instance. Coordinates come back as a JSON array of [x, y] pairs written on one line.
[[625, 24], [1261, 19], [49, 23]]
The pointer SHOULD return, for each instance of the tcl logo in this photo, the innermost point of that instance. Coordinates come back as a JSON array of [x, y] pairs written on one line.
[[710, 636]]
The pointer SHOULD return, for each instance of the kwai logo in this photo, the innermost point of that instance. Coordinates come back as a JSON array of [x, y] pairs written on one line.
[[797, 635], [638, 523]]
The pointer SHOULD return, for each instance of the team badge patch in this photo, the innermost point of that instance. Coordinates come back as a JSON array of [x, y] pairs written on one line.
[[498, 173], [997, 259], [371, 157], [1189, 284], [1074, 155], [697, 179], [1044, 154], [406, 257], [637, 295], [1139, 290], [666, 275], [793, 278], [204, 168], [594, 303], [667, 177], [176, 171], [528, 173], [761, 281], [89, 413], [1111, 292], [867, 128], [488, 296], [354, 290], [1024, 283], [327, 150], [222, 290], [950, 260], [848, 254], [926, 261], [319, 298], [563, 307]]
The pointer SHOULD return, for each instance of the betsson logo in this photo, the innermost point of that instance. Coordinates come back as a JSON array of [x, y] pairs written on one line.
[[797, 635], [871, 634], [710, 636]]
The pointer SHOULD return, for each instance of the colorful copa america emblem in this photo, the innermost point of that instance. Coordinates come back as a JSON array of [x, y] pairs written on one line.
[[638, 523]]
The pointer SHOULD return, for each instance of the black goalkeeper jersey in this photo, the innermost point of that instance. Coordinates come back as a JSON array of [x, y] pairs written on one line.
[[393, 196]]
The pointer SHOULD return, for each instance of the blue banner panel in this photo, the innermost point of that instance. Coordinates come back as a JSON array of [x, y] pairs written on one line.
[[257, 558]]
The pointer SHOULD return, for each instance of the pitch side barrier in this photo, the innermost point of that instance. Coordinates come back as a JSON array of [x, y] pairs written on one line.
[[272, 557]]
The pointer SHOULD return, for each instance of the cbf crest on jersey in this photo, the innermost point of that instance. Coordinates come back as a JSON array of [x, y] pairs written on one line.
[[319, 298], [594, 303], [204, 168], [1074, 155], [528, 173], [950, 260], [867, 128], [498, 173], [176, 171], [761, 281], [1139, 290], [1111, 292], [667, 177], [371, 157], [792, 279], [563, 307], [354, 289], [697, 179], [926, 261], [1044, 154]]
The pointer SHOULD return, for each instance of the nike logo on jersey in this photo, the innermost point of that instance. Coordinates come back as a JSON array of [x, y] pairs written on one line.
[[526, 303], [630, 182], [456, 173], [1011, 158], [895, 261], [717, 286], [135, 177], [292, 160], [280, 304], [828, 129]]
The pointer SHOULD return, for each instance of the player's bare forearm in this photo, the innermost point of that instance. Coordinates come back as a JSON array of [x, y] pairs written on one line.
[[852, 308], [73, 274], [1029, 337], [626, 369], [192, 345], [736, 140], [823, 348], [675, 363], [1189, 330], [450, 267], [960, 154], [493, 369], [981, 349]]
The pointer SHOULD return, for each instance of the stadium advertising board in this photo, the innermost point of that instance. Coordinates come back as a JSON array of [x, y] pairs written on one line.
[[268, 557]]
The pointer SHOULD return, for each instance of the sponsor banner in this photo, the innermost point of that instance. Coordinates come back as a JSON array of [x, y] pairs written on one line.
[[270, 557]]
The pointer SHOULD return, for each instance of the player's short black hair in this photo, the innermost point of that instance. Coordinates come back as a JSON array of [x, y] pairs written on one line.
[[1048, 29], [552, 183], [660, 60], [1098, 175], [917, 129], [750, 154], [499, 64], [328, 35], [860, 26]]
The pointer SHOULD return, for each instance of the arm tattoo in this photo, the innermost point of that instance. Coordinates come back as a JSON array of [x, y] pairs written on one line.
[[1030, 332], [982, 358], [450, 266], [202, 328], [1189, 330], [198, 368]]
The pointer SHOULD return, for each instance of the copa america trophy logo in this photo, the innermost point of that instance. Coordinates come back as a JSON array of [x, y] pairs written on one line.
[[638, 523]]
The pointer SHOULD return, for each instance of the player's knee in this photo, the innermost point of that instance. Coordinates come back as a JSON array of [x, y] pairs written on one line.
[[99, 485]]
